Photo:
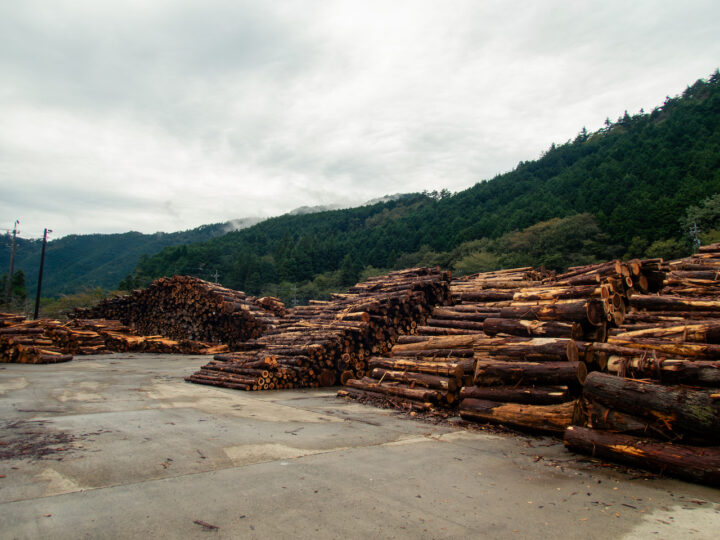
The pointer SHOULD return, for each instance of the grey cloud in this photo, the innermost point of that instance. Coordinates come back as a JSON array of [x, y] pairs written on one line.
[[172, 113]]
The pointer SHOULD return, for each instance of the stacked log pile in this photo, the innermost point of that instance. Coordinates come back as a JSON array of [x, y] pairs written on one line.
[[435, 367], [117, 337], [564, 322], [525, 361], [668, 429], [48, 341], [184, 307], [29, 342], [658, 405], [421, 372], [9, 319], [511, 347], [328, 342], [673, 336]]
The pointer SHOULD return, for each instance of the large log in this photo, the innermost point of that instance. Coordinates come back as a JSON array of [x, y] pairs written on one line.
[[524, 327], [500, 373], [534, 349], [684, 410], [394, 389], [449, 323], [703, 332], [440, 342], [416, 379], [689, 463], [557, 293], [671, 348], [402, 403], [575, 311], [546, 418], [672, 303], [667, 370], [530, 395], [444, 369]]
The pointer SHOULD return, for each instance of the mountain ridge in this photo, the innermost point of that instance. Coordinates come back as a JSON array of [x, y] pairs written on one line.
[[634, 179]]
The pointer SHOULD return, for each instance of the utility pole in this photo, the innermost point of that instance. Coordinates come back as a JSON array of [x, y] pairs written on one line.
[[216, 276], [40, 275], [12, 264]]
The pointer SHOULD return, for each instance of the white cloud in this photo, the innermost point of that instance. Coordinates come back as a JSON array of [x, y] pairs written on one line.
[[166, 115]]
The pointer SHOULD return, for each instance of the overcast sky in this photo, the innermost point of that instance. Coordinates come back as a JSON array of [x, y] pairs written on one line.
[[167, 114]]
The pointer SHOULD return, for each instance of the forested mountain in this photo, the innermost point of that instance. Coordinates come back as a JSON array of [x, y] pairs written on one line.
[[622, 190], [96, 260]]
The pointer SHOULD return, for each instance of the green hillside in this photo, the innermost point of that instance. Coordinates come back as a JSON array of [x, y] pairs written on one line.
[[619, 191], [93, 260], [622, 190]]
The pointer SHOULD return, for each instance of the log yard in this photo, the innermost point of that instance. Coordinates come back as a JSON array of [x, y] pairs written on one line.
[[514, 403]]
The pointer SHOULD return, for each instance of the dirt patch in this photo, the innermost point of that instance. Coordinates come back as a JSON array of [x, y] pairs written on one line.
[[31, 439]]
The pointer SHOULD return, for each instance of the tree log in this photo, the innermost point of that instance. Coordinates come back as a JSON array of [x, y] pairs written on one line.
[[681, 409], [578, 311], [672, 348], [440, 342], [689, 463], [394, 389], [523, 327], [445, 369], [414, 379], [546, 418], [530, 395], [667, 370], [526, 373], [406, 402], [672, 303]]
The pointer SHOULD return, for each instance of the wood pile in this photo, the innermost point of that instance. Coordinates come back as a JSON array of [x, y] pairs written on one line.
[[426, 370], [117, 337], [184, 307], [9, 319], [29, 342], [657, 406], [421, 372], [564, 322], [510, 348], [328, 342], [673, 336], [48, 341], [669, 429]]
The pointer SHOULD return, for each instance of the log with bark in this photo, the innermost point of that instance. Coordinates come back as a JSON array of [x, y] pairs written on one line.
[[328, 342], [530, 395], [695, 464], [667, 370], [681, 409], [552, 419], [184, 307], [501, 373]]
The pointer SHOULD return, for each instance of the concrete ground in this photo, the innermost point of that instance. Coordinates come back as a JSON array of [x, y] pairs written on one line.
[[120, 446]]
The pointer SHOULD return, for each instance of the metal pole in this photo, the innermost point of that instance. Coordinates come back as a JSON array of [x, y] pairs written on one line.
[[40, 275], [12, 263]]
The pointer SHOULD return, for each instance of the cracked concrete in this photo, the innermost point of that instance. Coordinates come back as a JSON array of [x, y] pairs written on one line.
[[124, 447]]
